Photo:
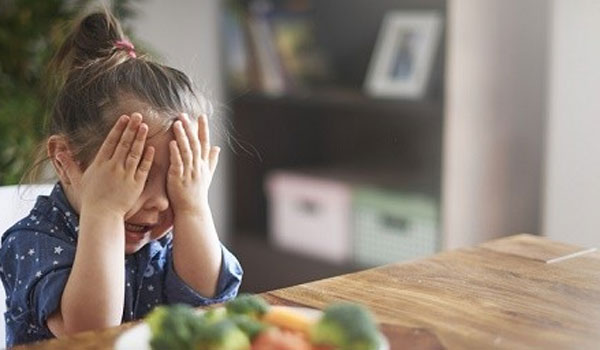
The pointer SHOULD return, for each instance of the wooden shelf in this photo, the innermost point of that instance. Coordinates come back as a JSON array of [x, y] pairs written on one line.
[[339, 98], [333, 122]]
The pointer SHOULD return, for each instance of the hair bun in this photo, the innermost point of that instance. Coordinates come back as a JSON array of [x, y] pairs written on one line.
[[92, 38], [95, 36]]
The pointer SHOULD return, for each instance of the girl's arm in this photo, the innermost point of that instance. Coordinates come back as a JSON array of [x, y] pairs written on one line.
[[196, 248], [94, 294], [197, 251], [95, 291]]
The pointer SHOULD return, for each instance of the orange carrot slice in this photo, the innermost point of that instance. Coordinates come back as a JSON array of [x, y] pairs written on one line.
[[288, 318]]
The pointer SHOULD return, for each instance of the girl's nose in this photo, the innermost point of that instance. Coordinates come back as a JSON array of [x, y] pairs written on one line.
[[157, 201]]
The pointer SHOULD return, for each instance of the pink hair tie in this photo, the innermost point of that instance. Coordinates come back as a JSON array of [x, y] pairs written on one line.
[[127, 46]]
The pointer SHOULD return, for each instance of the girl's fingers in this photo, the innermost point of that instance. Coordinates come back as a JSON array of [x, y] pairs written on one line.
[[110, 143], [192, 138], [145, 164], [175, 161], [137, 149], [204, 136], [213, 158], [184, 150], [127, 137]]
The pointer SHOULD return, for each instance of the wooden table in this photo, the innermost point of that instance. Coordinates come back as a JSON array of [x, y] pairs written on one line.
[[521, 292]]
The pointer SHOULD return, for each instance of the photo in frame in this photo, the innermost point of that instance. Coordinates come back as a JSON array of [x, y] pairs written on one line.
[[404, 54]]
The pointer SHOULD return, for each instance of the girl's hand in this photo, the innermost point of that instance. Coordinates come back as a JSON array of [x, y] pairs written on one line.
[[192, 165], [116, 177]]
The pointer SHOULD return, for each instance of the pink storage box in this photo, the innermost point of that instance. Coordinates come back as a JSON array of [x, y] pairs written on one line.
[[310, 215]]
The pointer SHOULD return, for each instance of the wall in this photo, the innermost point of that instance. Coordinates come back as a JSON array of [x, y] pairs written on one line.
[[495, 118], [185, 33], [572, 183]]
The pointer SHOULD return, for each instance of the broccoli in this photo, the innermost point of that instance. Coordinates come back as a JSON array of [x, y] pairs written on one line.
[[215, 315], [180, 327], [247, 304], [250, 326], [173, 327], [346, 326], [221, 335]]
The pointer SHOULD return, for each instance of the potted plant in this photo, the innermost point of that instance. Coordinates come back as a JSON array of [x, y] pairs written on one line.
[[30, 33]]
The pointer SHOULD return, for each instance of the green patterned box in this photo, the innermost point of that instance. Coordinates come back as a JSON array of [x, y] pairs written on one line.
[[393, 226]]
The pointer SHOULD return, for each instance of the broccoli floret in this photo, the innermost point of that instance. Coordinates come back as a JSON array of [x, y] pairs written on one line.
[[250, 326], [346, 326], [247, 304], [180, 327], [215, 315], [174, 327], [222, 335]]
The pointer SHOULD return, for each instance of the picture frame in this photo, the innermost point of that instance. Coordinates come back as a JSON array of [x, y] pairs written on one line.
[[405, 49]]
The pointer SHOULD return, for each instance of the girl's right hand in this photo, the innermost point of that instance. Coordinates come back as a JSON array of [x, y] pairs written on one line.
[[117, 175]]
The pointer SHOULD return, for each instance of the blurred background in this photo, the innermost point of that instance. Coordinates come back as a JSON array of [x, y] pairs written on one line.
[[359, 133]]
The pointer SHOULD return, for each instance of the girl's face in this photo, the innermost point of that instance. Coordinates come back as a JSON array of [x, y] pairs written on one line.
[[151, 217]]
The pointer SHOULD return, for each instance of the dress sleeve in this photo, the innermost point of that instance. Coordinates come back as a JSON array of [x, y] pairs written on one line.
[[35, 269], [178, 291]]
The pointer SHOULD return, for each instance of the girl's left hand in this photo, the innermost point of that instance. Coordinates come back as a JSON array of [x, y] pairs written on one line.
[[192, 165]]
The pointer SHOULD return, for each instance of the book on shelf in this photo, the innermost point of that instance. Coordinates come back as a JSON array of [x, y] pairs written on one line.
[[237, 71], [268, 62], [272, 48]]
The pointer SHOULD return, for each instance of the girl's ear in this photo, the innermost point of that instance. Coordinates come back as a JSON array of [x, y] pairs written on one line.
[[62, 158]]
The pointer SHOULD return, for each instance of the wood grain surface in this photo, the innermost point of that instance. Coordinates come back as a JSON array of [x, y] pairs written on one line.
[[480, 298], [521, 292]]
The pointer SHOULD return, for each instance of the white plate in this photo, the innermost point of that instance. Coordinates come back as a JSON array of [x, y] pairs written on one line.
[[138, 337]]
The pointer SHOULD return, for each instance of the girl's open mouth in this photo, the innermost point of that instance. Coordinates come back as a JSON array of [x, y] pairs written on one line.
[[136, 228], [136, 232]]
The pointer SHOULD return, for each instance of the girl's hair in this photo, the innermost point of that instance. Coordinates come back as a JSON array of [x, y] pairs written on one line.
[[98, 75]]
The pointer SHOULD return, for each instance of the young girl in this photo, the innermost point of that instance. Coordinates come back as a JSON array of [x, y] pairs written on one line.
[[128, 225]]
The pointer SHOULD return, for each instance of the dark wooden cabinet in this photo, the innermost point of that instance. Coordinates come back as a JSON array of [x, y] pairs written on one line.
[[334, 124], [399, 142]]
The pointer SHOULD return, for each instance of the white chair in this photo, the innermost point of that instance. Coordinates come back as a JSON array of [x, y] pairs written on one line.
[[15, 203]]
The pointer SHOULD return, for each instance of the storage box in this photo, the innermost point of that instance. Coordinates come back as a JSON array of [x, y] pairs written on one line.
[[393, 226], [310, 215]]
